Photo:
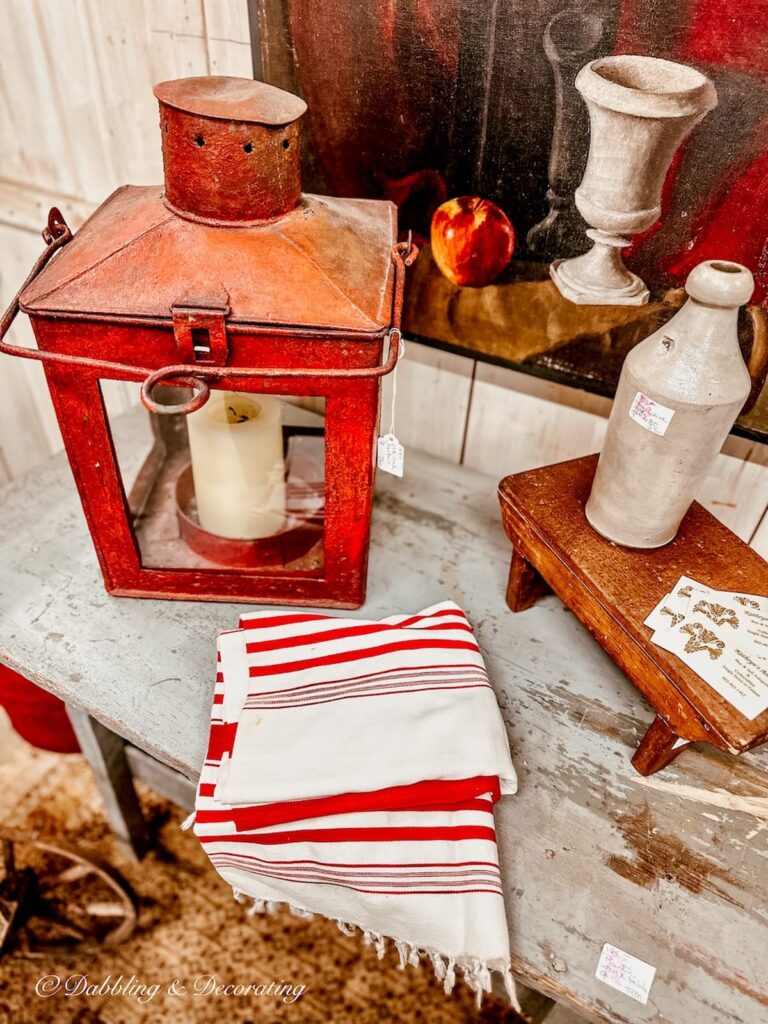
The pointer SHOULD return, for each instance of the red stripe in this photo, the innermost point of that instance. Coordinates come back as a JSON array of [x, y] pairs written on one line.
[[398, 864], [444, 874], [452, 625], [441, 871], [220, 740], [444, 795], [372, 693], [237, 815], [304, 639], [399, 892], [345, 656], [404, 888], [434, 615], [396, 672], [279, 620], [359, 835], [287, 619]]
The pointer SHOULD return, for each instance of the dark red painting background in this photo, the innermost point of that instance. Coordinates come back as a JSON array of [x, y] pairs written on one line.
[[418, 101], [387, 99]]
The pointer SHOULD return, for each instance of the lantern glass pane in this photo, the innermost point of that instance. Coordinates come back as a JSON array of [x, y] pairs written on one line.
[[237, 486]]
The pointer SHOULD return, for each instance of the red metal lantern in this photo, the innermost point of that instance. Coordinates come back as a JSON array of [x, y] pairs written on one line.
[[265, 305]]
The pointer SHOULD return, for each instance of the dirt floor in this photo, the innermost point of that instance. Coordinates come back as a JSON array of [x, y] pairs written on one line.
[[190, 929]]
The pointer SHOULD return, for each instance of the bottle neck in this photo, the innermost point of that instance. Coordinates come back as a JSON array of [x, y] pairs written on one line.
[[705, 326]]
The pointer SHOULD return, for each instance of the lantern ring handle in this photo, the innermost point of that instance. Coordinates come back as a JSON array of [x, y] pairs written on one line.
[[57, 234], [403, 255], [180, 376], [179, 380]]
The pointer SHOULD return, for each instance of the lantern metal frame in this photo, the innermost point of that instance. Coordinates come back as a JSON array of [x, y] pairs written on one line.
[[351, 417]]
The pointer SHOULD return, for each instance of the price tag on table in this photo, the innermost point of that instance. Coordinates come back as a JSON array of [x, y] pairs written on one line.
[[625, 972]]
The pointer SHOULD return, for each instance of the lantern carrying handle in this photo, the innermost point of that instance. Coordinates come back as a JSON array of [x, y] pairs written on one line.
[[56, 234], [403, 255]]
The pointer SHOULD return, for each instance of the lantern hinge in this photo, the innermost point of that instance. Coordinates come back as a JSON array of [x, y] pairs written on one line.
[[201, 333]]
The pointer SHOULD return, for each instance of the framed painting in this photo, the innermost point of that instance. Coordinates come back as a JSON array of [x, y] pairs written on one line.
[[421, 101]]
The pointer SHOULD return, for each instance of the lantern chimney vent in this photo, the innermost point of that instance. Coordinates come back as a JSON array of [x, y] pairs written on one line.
[[230, 149]]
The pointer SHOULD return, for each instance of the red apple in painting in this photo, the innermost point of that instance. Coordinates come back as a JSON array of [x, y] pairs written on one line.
[[472, 240]]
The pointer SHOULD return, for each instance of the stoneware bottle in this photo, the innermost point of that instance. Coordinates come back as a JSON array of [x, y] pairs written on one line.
[[678, 396]]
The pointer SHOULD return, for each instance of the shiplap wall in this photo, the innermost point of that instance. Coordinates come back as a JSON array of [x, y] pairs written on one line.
[[78, 119]]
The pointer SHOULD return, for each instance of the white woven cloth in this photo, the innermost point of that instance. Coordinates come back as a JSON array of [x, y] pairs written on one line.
[[351, 772]]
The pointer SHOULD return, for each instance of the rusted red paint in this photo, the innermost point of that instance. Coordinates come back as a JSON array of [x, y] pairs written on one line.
[[297, 294], [247, 130]]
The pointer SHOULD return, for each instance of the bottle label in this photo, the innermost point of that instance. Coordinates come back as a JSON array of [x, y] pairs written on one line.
[[649, 414]]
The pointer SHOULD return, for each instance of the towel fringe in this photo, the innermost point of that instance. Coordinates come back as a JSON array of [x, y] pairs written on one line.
[[449, 979], [509, 985], [188, 822], [476, 972], [306, 915], [402, 952], [438, 964]]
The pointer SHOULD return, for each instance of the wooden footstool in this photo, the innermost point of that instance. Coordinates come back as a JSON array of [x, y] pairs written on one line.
[[612, 589]]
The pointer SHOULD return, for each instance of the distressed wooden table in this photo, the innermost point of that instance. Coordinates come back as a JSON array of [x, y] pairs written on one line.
[[673, 868]]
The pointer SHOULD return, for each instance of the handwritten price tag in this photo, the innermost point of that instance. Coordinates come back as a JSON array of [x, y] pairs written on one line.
[[390, 455], [625, 973], [649, 414]]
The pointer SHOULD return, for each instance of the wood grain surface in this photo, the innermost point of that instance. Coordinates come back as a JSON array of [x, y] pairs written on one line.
[[613, 589], [671, 869]]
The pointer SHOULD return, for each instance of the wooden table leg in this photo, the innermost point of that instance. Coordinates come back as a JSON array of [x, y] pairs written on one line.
[[658, 748], [525, 585], [104, 751]]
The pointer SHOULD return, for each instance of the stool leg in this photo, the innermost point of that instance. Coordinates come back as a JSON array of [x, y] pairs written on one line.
[[104, 751], [525, 585], [658, 748]]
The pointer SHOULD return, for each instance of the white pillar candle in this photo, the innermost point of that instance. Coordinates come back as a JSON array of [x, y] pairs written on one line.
[[236, 446]]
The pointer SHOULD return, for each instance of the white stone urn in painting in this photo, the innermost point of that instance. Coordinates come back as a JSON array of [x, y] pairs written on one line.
[[640, 110]]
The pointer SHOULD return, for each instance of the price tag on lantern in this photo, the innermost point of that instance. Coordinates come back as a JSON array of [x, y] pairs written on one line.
[[390, 456]]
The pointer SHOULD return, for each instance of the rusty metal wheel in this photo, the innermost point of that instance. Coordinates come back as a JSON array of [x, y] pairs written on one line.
[[55, 898]]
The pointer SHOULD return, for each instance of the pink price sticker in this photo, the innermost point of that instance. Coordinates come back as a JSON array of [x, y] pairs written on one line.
[[650, 414]]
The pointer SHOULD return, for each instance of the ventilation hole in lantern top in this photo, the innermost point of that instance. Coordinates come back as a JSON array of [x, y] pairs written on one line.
[[199, 140], [286, 143], [248, 147]]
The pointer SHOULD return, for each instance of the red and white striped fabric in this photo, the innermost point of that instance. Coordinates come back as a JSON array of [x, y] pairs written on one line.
[[352, 770]]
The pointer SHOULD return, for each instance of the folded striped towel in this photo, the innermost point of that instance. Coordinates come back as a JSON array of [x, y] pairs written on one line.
[[351, 771]]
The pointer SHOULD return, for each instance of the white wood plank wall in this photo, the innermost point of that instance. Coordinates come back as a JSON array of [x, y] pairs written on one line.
[[78, 119]]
